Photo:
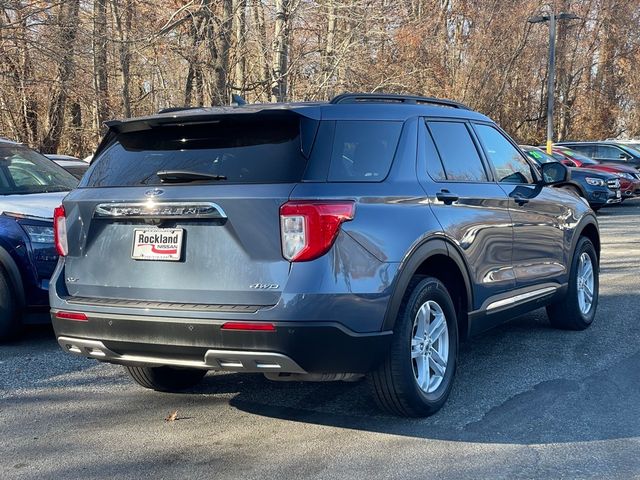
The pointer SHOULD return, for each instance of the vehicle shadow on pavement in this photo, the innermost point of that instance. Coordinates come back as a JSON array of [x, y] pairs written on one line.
[[522, 383]]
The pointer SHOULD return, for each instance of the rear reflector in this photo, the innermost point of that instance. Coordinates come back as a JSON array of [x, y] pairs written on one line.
[[265, 327], [78, 317]]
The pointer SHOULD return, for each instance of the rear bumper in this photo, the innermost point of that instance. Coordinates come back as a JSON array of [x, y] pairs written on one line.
[[309, 347]]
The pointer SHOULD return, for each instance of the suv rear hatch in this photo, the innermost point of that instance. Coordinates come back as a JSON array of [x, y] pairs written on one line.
[[187, 211]]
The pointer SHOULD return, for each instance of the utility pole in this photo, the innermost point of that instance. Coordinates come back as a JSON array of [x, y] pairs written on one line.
[[552, 18]]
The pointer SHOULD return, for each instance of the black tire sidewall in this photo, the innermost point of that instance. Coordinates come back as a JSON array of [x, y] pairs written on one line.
[[427, 289], [8, 315]]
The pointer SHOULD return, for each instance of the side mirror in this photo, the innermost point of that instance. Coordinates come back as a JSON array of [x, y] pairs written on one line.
[[554, 172], [569, 163], [624, 156]]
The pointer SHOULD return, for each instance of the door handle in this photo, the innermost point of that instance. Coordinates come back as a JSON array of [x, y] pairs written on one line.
[[447, 197], [520, 200]]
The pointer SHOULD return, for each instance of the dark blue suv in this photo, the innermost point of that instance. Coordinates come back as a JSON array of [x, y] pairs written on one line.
[[31, 186], [315, 241]]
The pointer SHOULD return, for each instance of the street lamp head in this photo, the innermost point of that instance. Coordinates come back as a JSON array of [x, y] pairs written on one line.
[[567, 16], [538, 19]]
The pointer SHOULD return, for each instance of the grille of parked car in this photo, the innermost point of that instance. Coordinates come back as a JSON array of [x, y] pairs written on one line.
[[613, 183]]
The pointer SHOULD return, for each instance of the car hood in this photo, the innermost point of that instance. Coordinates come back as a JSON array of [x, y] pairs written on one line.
[[592, 171], [618, 168], [32, 205]]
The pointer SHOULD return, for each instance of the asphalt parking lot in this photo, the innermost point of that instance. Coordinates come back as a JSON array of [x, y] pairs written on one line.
[[528, 402]]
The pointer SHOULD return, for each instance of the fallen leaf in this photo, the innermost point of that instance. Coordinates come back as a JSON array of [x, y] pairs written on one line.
[[172, 417]]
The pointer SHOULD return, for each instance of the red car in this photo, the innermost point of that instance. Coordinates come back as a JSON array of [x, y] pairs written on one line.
[[629, 176]]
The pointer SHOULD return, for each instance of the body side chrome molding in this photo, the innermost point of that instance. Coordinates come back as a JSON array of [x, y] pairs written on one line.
[[510, 301]]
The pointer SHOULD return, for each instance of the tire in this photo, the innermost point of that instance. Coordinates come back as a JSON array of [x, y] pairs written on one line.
[[166, 379], [395, 383], [9, 316], [574, 312]]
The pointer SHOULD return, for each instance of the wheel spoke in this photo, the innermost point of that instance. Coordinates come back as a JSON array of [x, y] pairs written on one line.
[[424, 376], [587, 288], [437, 327], [422, 321], [438, 364], [588, 270]]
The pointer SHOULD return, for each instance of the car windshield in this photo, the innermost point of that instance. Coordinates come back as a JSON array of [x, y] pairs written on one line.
[[539, 156], [24, 171], [573, 155], [632, 146], [633, 151]]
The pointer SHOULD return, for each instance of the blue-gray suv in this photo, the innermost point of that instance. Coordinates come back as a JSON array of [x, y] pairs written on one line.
[[315, 241]]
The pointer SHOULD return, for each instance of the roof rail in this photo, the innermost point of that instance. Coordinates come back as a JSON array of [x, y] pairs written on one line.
[[394, 98]]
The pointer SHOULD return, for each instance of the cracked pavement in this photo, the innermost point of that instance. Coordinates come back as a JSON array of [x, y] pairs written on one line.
[[528, 402]]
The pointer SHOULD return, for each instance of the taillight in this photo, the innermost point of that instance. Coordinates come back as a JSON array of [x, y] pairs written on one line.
[[308, 228], [60, 231]]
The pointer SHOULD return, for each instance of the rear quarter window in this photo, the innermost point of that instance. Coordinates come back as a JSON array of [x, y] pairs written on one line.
[[363, 150]]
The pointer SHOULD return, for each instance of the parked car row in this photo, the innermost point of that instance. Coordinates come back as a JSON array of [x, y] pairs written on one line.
[[596, 187]]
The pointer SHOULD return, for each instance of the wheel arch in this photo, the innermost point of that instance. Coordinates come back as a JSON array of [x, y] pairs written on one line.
[[440, 259], [588, 227], [575, 186]]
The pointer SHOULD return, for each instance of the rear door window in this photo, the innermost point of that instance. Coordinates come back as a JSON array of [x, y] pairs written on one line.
[[249, 148], [607, 152], [363, 150], [460, 158], [588, 150]]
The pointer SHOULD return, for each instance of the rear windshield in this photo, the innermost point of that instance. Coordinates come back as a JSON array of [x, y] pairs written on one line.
[[239, 149]]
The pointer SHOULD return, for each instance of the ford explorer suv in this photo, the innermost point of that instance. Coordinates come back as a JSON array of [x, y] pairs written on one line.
[[31, 186], [367, 235]]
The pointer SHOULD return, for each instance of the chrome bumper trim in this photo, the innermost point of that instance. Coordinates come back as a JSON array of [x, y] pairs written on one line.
[[227, 360]]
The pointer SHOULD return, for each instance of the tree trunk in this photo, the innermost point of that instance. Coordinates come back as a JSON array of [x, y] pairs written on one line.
[[123, 28], [67, 22], [259, 25], [239, 29], [329, 57], [100, 79], [280, 51]]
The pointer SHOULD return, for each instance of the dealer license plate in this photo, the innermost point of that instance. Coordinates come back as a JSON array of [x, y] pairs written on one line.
[[157, 244]]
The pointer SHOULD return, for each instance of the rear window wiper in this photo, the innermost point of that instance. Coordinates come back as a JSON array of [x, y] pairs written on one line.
[[183, 176]]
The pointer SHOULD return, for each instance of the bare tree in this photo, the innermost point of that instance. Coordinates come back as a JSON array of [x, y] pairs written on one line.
[[67, 26]]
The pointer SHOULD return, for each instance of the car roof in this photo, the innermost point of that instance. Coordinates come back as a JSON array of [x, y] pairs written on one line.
[[55, 156], [588, 142], [70, 163], [9, 142], [381, 108]]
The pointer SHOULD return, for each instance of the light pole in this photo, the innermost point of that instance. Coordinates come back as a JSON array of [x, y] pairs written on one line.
[[552, 18]]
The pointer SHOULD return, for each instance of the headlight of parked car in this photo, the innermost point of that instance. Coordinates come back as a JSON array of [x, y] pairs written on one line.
[[39, 233], [626, 175], [596, 182]]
